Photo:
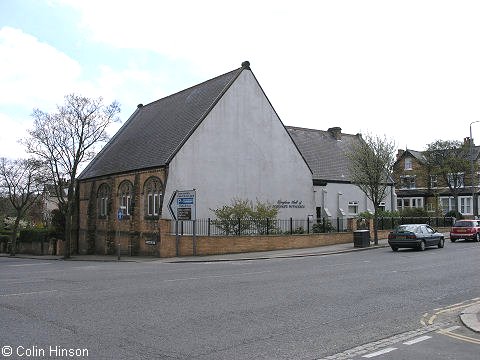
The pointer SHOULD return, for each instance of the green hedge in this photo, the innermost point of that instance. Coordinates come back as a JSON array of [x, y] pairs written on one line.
[[5, 237], [33, 235]]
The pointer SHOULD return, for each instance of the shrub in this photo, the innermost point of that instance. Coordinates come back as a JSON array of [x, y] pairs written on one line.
[[241, 216], [414, 212], [34, 235], [57, 229], [454, 213], [4, 238]]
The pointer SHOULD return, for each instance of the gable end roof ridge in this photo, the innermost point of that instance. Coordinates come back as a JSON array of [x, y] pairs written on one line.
[[205, 114], [190, 88]]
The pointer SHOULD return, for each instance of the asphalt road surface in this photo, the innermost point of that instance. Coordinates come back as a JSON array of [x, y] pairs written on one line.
[[345, 306]]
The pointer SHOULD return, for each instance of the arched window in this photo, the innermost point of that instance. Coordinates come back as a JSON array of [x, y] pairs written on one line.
[[153, 196], [125, 197], [102, 200]]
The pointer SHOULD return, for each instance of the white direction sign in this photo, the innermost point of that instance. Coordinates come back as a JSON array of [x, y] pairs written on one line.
[[182, 205]]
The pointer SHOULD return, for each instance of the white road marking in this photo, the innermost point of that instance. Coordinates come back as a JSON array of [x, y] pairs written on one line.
[[217, 276], [381, 352], [32, 264], [28, 293], [451, 329], [417, 340]]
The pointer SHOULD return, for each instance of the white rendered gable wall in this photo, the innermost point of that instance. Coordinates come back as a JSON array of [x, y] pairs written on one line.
[[241, 150]]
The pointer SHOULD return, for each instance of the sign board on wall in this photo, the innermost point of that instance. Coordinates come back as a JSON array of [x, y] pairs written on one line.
[[182, 205]]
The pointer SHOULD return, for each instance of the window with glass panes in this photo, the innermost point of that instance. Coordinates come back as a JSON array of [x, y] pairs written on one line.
[[125, 194], [153, 196], [102, 198]]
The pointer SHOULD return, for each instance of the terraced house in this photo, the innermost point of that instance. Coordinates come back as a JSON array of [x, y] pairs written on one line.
[[418, 187]]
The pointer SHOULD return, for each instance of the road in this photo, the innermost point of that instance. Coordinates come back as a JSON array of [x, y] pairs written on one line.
[[341, 306]]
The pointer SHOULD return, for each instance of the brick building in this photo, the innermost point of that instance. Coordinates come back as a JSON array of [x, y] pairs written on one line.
[[417, 187]]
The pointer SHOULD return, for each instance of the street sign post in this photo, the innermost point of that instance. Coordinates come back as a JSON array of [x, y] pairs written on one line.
[[182, 205]]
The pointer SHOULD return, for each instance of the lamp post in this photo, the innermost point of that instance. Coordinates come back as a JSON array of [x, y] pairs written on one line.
[[474, 204]]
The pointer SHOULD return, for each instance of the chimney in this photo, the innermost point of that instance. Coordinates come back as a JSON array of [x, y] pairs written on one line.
[[400, 153], [336, 132]]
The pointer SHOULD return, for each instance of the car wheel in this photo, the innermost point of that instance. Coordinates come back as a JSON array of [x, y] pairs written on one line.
[[422, 246], [477, 237], [441, 243], [394, 248], [453, 240]]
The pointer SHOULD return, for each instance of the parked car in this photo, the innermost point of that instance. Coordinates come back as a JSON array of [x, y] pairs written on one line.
[[465, 229], [415, 236]]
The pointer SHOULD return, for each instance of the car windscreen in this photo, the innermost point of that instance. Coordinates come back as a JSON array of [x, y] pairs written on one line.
[[404, 228], [464, 224]]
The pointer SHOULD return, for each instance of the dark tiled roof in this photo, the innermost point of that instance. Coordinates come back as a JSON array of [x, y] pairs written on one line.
[[155, 132], [417, 154], [325, 155], [420, 155]]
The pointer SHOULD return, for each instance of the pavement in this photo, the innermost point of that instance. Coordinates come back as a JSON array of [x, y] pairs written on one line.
[[470, 317]]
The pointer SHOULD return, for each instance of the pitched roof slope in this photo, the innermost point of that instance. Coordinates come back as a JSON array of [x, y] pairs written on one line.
[[325, 155], [155, 132]]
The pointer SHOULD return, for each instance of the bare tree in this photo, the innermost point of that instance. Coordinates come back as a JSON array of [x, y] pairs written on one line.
[[449, 159], [22, 182], [371, 163], [65, 140]]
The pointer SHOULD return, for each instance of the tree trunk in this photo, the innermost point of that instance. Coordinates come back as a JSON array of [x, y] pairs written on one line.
[[375, 227], [13, 240]]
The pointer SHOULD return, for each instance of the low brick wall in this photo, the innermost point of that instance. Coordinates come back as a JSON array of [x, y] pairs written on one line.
[[219, 245], [37, 247]]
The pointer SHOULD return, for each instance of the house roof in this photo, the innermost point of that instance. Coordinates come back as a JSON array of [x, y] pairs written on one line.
[[155, 132], [420, 155], [324, 154]]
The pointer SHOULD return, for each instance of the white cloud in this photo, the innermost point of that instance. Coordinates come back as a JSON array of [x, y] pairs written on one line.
[[32, 72], [405, 69], [12, 131], [354, 64]]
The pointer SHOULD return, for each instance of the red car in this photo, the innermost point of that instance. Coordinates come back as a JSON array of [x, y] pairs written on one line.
[[465, 229]]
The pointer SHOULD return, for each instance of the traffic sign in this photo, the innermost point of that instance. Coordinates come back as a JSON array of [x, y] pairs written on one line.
[[182, 205], [120, 214]]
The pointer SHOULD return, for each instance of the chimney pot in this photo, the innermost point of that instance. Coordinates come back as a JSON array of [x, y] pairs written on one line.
[[336, 132]]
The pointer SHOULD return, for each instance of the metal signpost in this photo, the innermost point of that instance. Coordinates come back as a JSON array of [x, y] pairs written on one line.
[[119, 217], [182, 207]]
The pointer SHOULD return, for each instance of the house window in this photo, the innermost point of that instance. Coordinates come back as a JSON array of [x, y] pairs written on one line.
[[456, 180], [465, 205], [407, 182], [353, 207], [153, 192], [404, 203], [125, 197], [408, 164], [446, 204], [102, 198], [433, 181]]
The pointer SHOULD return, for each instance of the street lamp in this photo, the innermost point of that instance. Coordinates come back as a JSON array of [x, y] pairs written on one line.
[[474, 207]]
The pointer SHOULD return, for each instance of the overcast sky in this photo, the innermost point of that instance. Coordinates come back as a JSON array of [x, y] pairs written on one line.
[[409, 70]]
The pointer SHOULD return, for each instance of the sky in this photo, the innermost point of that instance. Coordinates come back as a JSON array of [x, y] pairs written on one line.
[[406, 70]]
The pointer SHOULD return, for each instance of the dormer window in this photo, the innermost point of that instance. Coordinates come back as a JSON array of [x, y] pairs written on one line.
[[408, 163]]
